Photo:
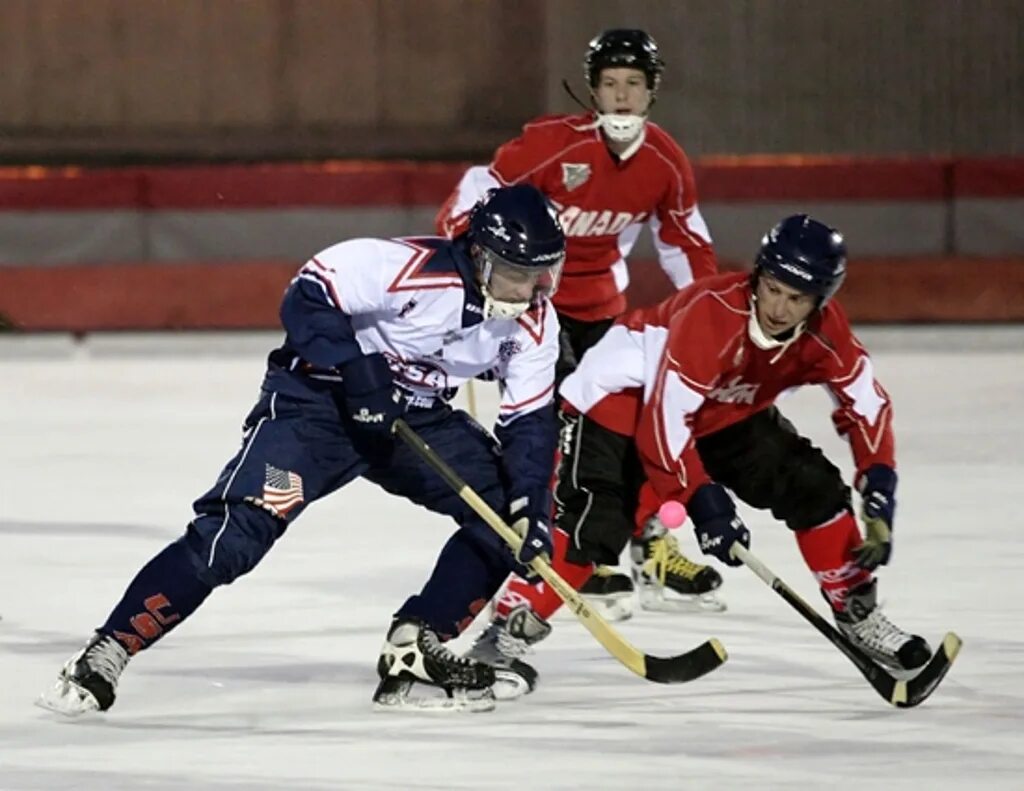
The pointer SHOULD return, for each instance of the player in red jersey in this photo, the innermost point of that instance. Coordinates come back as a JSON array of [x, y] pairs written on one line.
[[608, 172], [685, 391]]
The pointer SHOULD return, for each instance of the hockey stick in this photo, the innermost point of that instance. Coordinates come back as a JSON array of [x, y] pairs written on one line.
[[899, 692], [664, 670], [471, 400]]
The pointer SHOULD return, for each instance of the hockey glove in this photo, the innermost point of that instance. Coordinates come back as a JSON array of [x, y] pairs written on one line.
[[372, 405], [877, 488], [716, 523], [530, 515]]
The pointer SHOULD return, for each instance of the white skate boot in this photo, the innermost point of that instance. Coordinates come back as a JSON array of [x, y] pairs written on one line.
[[502, 644], [88, 680], [866, 626]]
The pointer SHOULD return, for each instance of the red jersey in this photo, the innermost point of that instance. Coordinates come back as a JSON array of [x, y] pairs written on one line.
[[603, 201], [687, 367]]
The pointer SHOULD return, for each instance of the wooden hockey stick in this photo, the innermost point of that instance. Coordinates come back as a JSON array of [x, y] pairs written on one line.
[[903, 693], [471, 400], [664, 670]]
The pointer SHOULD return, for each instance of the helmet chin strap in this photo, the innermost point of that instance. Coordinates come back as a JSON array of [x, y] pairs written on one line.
[[763, 340], [622, 128], [501, 309]]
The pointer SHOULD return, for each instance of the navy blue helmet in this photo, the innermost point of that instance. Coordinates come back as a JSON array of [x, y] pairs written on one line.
[[804, 254], [631, 49], [515, 236]]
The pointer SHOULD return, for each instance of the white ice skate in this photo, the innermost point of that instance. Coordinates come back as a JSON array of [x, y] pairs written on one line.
[[866, 626], [88, 680], [413, 655], [502, 644]]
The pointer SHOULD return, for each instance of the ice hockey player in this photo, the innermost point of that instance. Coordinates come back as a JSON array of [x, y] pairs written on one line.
[[609, 171], [378, 329], [689, 387]]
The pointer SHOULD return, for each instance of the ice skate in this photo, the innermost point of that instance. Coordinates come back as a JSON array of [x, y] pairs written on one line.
[[867, 627], [668, 581], [88, 680], [502, 643], [414, 654], [610, 593]]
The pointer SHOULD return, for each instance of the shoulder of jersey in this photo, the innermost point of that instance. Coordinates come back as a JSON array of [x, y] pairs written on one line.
[[662, 140], [560, 125], [724, 293], [833, 317]]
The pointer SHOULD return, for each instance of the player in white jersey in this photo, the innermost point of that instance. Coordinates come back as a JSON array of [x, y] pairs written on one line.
[[379, 329]]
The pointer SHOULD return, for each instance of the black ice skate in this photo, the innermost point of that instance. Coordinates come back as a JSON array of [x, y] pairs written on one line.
[[413, 653], [864, 625], [668, 581], [502, 643], [88, 680], [610, 593]]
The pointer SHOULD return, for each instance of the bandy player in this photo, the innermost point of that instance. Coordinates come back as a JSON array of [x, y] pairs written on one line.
[[609, 171]]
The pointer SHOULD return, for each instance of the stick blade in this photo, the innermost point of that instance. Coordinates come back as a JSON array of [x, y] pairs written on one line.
[[679, 669], [916, 690]]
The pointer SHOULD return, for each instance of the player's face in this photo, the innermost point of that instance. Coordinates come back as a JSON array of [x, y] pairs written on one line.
[[513, 284], [780, 307], [622, 91]]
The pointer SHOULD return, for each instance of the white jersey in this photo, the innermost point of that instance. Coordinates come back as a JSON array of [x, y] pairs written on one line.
[[407, 299]]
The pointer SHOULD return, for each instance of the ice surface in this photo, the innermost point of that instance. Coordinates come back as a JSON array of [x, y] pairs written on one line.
[[103, 446]]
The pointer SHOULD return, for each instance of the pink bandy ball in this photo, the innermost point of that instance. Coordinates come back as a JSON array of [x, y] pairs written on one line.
[[672, 514]]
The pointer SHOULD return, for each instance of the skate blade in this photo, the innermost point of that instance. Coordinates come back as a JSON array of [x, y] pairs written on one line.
[[614, 606], [509, 685], [657, 600], [68, 699], [392, 695]]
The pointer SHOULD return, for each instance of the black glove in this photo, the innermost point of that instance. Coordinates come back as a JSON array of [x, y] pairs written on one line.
[[530, 515], [877, 486], [716, 524], [372, 405]]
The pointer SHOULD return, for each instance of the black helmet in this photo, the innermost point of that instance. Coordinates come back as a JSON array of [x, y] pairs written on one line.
[[632, 49]]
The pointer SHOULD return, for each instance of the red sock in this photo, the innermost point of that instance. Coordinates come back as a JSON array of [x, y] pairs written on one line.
[[541, 598], [828, 552], [647, 506]]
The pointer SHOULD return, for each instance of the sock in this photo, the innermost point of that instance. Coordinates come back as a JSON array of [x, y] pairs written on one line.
[[828, 552], [163, 594], [540, 596]]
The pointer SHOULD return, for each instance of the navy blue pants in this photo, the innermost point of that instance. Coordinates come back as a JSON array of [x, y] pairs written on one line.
[[295, 450]]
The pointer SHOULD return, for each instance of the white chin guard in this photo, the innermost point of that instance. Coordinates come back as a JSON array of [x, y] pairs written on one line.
[[621, 128], [499, 309]]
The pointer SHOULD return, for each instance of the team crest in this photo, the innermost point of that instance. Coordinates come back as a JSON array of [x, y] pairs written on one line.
[[575, 174], [508, 349]]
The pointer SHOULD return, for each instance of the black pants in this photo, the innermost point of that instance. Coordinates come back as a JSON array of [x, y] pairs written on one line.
[[574, 338], [762, 459]]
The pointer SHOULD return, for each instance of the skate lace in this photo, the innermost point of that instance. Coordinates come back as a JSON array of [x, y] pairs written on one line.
[[604, 571], [107, 658], [431, 645], [666, 559], [508, 645], [878, 632]]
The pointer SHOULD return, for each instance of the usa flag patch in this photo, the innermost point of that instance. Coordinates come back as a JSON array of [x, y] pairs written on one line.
[[282, 490]]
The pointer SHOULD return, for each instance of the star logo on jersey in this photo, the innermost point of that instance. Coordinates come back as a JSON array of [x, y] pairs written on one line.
[[575, 174]]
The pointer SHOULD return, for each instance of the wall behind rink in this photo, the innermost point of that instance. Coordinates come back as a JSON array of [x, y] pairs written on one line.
[[119, 79], [81, 249]]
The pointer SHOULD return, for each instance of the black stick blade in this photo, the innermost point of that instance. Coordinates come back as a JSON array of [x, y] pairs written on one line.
[[685, 667], [907, 694]]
